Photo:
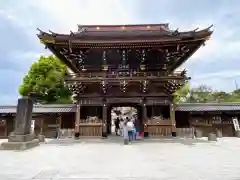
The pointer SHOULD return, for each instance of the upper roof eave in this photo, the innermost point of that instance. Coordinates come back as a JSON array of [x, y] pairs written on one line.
[[204, 33]]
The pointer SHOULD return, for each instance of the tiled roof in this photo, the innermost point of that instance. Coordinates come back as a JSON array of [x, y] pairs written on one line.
[[63, 108], [7, 109], [50, 108], [54, 108], [208, 107]]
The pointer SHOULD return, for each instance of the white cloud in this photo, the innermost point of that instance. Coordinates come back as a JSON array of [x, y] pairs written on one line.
[[215, 50], [227, 74], [68, 15], [63, 16]]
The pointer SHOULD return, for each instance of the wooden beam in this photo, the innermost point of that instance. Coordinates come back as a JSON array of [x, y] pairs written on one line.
[[78, 118], [172, 116], [104, 117], [41, 125], [60, 121]]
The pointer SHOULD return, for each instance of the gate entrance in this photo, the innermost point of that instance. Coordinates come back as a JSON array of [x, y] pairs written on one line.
[[122, 111]]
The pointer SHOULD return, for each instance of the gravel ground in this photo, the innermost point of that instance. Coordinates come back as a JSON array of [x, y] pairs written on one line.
[[146, 160]]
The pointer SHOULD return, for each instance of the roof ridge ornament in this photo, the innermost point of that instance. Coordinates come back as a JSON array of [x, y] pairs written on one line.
[[175, 33], [53, 33], [210, 27], [81, 30], [40, 31], [195, 29]]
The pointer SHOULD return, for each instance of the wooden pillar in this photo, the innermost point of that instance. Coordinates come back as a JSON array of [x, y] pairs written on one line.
[[144, 128], [60, 122], [104, 119], [77, 118], [144, 107], [41, 125], [172, 116]]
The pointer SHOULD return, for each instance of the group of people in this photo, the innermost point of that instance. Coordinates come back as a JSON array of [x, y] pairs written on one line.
[[125, 128]]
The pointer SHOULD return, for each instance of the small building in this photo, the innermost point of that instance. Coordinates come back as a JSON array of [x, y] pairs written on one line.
[[49, 119]]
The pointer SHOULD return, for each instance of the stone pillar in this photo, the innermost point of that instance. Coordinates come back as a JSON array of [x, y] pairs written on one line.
[[198, 132], [212, 137], [23, 116], [172, 118], [104, 120], [41, 137], [21, 138], [77, 121], [219, 133]]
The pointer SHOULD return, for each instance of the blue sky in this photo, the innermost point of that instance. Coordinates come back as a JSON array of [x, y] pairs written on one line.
[[216, 64]]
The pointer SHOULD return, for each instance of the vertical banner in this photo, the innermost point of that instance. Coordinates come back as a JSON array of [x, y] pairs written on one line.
[[236, 124]]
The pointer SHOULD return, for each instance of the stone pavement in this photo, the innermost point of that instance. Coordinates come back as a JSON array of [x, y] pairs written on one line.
[[149, 160]]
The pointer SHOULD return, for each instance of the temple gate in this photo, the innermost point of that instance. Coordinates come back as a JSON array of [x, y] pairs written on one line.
[[133, 64]]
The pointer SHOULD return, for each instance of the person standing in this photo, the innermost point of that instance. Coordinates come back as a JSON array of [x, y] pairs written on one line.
[[130, 128], [121, 127], [117, 126]]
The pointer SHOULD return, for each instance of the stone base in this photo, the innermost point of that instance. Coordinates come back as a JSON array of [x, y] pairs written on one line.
[[212, 137], [21, 138], [198, 133], [219, 134], [237, 134], [125, 142], [19, 145], [41, 138]]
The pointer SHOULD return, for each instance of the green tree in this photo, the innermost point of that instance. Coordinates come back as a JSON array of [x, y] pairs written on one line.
[[45, 78], [221, 96], [234, 96], [201, 94], [182, 95]]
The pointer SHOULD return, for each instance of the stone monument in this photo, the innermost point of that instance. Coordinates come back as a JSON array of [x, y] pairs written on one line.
[[21, 138]]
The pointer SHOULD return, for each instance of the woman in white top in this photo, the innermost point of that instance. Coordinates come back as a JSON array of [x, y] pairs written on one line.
[[130, 128]]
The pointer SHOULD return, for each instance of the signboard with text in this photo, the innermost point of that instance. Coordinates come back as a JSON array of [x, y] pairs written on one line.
[[236, 124]]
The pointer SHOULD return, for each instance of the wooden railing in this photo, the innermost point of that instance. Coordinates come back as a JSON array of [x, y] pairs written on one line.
[[119, 74], [210, 122], [157, 128], [91, 127], [90, 130]]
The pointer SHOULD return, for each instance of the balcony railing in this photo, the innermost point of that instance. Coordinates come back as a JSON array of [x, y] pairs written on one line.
[[123, 74]]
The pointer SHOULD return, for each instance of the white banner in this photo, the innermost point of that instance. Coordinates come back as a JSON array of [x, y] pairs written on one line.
[[236, 124]]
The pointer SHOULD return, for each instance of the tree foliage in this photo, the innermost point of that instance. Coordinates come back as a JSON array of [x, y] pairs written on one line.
[[45, 78], [204, 94], [182, 95]]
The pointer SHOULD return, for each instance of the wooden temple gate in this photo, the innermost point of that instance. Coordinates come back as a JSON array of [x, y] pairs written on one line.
[[124, 64]]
